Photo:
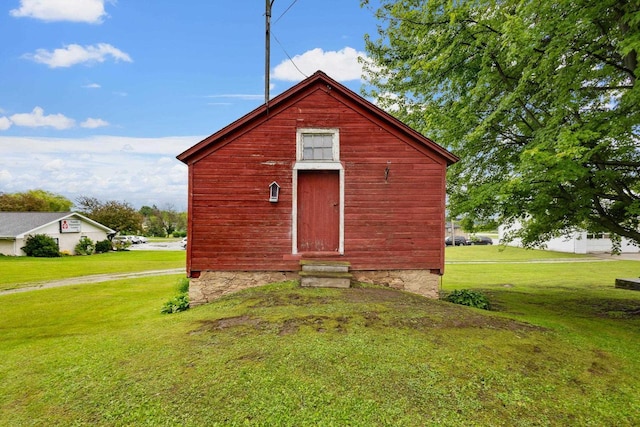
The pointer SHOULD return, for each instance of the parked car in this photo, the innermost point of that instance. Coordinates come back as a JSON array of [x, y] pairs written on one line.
[[458, 241], [122, 239], [183, 243], [481, 240]]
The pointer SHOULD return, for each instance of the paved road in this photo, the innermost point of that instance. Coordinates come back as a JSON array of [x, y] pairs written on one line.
[[95, 278], [157, 246]]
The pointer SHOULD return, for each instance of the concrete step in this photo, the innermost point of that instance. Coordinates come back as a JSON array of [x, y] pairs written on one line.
[[334, 266], [325, 274]]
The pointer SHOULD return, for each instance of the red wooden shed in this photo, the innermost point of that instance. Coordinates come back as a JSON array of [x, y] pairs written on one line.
[[318, 178]]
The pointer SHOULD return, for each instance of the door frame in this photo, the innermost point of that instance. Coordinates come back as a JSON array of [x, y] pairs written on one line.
[[316, 166]]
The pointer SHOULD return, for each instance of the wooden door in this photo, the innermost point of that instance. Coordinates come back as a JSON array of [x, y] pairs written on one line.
[[318, 211]]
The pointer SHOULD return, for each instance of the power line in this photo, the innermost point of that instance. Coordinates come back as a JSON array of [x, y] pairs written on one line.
[[290, 59], [285, 11]]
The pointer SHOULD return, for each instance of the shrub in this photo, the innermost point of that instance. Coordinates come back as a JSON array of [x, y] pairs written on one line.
[[103, 246], [121, 244], [179, 234], [469, 298], [85, 246], [179, 303], [183, 285], [42, 246]]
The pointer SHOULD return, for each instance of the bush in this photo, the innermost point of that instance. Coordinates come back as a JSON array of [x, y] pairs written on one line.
[[85, 246], [469, 298], [179, 303], [121, 245], [183, 285], [179, 234], [103, 246], [42, 246]]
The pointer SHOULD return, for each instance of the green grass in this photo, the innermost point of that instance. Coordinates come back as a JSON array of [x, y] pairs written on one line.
[[500, 253], [21, 271], [561, 349]]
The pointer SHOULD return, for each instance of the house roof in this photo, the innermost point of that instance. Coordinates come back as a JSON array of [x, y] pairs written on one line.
[[281, 101], [19, 224]]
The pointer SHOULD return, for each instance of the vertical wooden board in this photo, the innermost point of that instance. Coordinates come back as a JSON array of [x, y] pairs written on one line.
[[318, 211]]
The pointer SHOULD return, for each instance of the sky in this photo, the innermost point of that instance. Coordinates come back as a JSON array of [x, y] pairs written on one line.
[[98, 97]]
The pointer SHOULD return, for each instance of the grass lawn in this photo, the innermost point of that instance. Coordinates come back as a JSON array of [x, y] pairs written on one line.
[[560, 348], [499, 253], [22, 271]]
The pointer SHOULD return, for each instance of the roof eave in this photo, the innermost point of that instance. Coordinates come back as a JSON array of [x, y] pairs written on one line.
[[192, 153]]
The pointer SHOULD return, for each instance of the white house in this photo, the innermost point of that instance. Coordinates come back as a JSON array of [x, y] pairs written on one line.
[[579, 242], [67, 228]]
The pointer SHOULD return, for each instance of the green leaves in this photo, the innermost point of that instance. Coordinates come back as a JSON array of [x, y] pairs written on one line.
[[538, 99], [469, 298]]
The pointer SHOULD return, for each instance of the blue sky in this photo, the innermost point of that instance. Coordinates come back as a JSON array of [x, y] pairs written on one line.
[[99, 96]]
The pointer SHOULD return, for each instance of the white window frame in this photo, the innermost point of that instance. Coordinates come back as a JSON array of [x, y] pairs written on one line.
[[319, 165], [335, 149]]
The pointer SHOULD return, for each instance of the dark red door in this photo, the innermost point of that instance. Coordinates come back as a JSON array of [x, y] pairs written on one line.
[[318, 211]]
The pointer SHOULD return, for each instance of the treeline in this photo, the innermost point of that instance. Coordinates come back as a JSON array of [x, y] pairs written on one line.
[[117, 215]]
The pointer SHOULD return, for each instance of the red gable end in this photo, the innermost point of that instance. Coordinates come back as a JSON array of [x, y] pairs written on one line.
[[319, 172]]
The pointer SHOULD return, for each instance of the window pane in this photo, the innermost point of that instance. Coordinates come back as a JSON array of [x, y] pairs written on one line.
[[317, 147]]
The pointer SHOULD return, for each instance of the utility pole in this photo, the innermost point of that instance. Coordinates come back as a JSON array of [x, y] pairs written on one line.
[[267, 50]]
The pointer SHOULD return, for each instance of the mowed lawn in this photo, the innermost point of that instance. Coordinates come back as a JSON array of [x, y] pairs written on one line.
[[560, 347], [17, 272]]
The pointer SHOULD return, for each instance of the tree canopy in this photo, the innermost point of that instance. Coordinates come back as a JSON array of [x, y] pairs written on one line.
[[119, 216], [163, 222], [34, 201], [538, 99]]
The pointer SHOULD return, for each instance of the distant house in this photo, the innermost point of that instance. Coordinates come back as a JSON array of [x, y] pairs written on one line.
[[317, 176], [67, 228], [578, 242]]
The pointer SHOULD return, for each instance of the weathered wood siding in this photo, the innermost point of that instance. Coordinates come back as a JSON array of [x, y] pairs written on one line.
[[393, 223]]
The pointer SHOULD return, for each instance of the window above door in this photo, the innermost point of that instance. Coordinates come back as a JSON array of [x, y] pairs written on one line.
[[318, 145]]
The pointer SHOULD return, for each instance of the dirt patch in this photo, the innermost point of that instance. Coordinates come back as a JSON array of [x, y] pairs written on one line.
[[393, 309], [295, 299], [380, 295], [318, 323], [227, 323], [610, 308]]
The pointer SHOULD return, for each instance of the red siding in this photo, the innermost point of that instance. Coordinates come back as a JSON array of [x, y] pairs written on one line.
[[397, 223]]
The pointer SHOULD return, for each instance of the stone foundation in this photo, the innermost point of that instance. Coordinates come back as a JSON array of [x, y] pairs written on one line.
[[212, 285], [421, 282]]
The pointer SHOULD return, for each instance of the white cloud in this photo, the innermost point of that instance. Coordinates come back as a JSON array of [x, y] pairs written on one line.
[[54, 165], [5, 176], [342, 65], [146, 173], [89, 11], [36, 118], [92, 86], [5, 123], [74, 54], [92, 123]]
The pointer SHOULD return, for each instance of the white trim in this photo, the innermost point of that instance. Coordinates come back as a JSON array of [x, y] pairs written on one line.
[[316, 165], [335, 132], [67, 216]]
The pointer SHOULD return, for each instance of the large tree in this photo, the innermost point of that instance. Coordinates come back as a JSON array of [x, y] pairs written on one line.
[[538, 98], [34, 201], [119, 216]]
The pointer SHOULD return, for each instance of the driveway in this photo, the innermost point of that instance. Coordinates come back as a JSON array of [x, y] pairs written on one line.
[[157, 246], [95, 278]]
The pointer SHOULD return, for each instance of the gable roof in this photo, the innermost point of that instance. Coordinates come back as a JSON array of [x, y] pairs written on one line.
[[318, 79], [20, 224]]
